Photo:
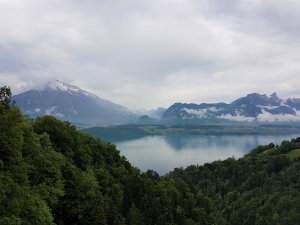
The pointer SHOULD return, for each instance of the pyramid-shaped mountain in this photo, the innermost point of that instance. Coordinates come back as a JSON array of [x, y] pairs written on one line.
[[71, 103]]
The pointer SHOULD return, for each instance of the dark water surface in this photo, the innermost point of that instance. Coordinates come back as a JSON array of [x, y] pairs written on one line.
[[164, 153]]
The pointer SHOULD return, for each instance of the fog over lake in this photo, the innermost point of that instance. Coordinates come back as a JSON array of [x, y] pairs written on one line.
[[164, 153]]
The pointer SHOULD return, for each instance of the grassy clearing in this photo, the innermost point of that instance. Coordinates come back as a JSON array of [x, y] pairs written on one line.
[[293, 154], [269, 151]]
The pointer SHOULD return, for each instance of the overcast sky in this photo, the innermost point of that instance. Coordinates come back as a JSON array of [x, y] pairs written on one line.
[[150, 53]]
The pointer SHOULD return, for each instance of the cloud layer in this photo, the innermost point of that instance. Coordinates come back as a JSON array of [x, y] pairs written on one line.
[[145, 54]]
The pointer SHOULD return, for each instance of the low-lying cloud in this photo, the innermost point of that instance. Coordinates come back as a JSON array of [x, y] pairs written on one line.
[[202, 113], [268, 117], [237, 117]]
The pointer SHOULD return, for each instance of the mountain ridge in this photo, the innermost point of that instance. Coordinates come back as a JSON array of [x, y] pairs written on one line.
[[253, 108]]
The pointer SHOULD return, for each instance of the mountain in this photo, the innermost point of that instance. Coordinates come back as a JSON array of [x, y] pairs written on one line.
[[254, 108], [147, 120], [71, 103], [152, 116], [257, 99], [156, 113], [153, 113]]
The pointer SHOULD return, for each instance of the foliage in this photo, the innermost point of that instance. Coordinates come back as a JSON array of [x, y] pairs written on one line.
[[117, 131], [260, 188], [50, 173]]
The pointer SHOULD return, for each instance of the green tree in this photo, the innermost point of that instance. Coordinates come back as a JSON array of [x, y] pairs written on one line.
[[134, 216], [5, 97]]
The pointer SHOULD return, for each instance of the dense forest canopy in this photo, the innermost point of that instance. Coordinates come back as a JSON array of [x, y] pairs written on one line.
[[260, 188], [51, 173]]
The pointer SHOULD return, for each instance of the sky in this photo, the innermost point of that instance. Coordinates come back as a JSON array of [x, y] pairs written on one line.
[[153, 53]]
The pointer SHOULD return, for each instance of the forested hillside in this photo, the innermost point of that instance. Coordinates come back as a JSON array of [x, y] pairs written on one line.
[[263, 187], [50, 173]]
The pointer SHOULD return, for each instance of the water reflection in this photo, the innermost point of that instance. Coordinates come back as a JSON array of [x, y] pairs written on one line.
[[164, 153], [243, 142]]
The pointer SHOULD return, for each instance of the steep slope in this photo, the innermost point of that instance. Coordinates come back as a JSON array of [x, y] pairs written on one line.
[[254, 108], [72, 103], [293, 103]]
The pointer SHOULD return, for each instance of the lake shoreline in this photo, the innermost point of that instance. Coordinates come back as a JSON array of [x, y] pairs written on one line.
[[134, 130], [162, 153]]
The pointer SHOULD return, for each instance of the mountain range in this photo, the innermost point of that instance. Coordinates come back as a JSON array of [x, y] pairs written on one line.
[[254, 109], [71, 103]]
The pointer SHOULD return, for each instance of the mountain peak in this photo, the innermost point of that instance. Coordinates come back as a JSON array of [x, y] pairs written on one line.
[[58, 85], [258, 99], [61, 86], [274, 97]]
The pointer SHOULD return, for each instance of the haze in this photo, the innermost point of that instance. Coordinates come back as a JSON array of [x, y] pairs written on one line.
[[145, 54]]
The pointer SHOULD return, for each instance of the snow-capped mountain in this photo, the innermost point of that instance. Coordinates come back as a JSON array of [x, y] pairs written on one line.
[[254, 108], [71, 103]]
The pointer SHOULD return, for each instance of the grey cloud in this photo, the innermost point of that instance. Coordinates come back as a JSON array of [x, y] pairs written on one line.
[[153, 53]]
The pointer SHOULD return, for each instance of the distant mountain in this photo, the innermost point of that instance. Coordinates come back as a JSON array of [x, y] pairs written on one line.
[[156, 113], [254, 108], [153, 113], [147, 120], [257, 99], [71, 103]]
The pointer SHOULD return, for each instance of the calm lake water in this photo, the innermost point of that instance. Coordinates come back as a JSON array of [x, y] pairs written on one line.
[[164, 153]]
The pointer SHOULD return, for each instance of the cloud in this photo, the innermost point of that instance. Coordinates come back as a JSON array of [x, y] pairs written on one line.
[[51, 111], [153, 53], [201, 113], [238, 117], [268, 117], [267, 107]]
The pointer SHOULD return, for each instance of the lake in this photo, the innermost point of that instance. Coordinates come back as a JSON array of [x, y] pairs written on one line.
[[164, 153]]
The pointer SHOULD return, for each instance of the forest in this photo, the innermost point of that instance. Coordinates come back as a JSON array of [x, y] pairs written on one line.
[[51, 173], [263, 187]]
